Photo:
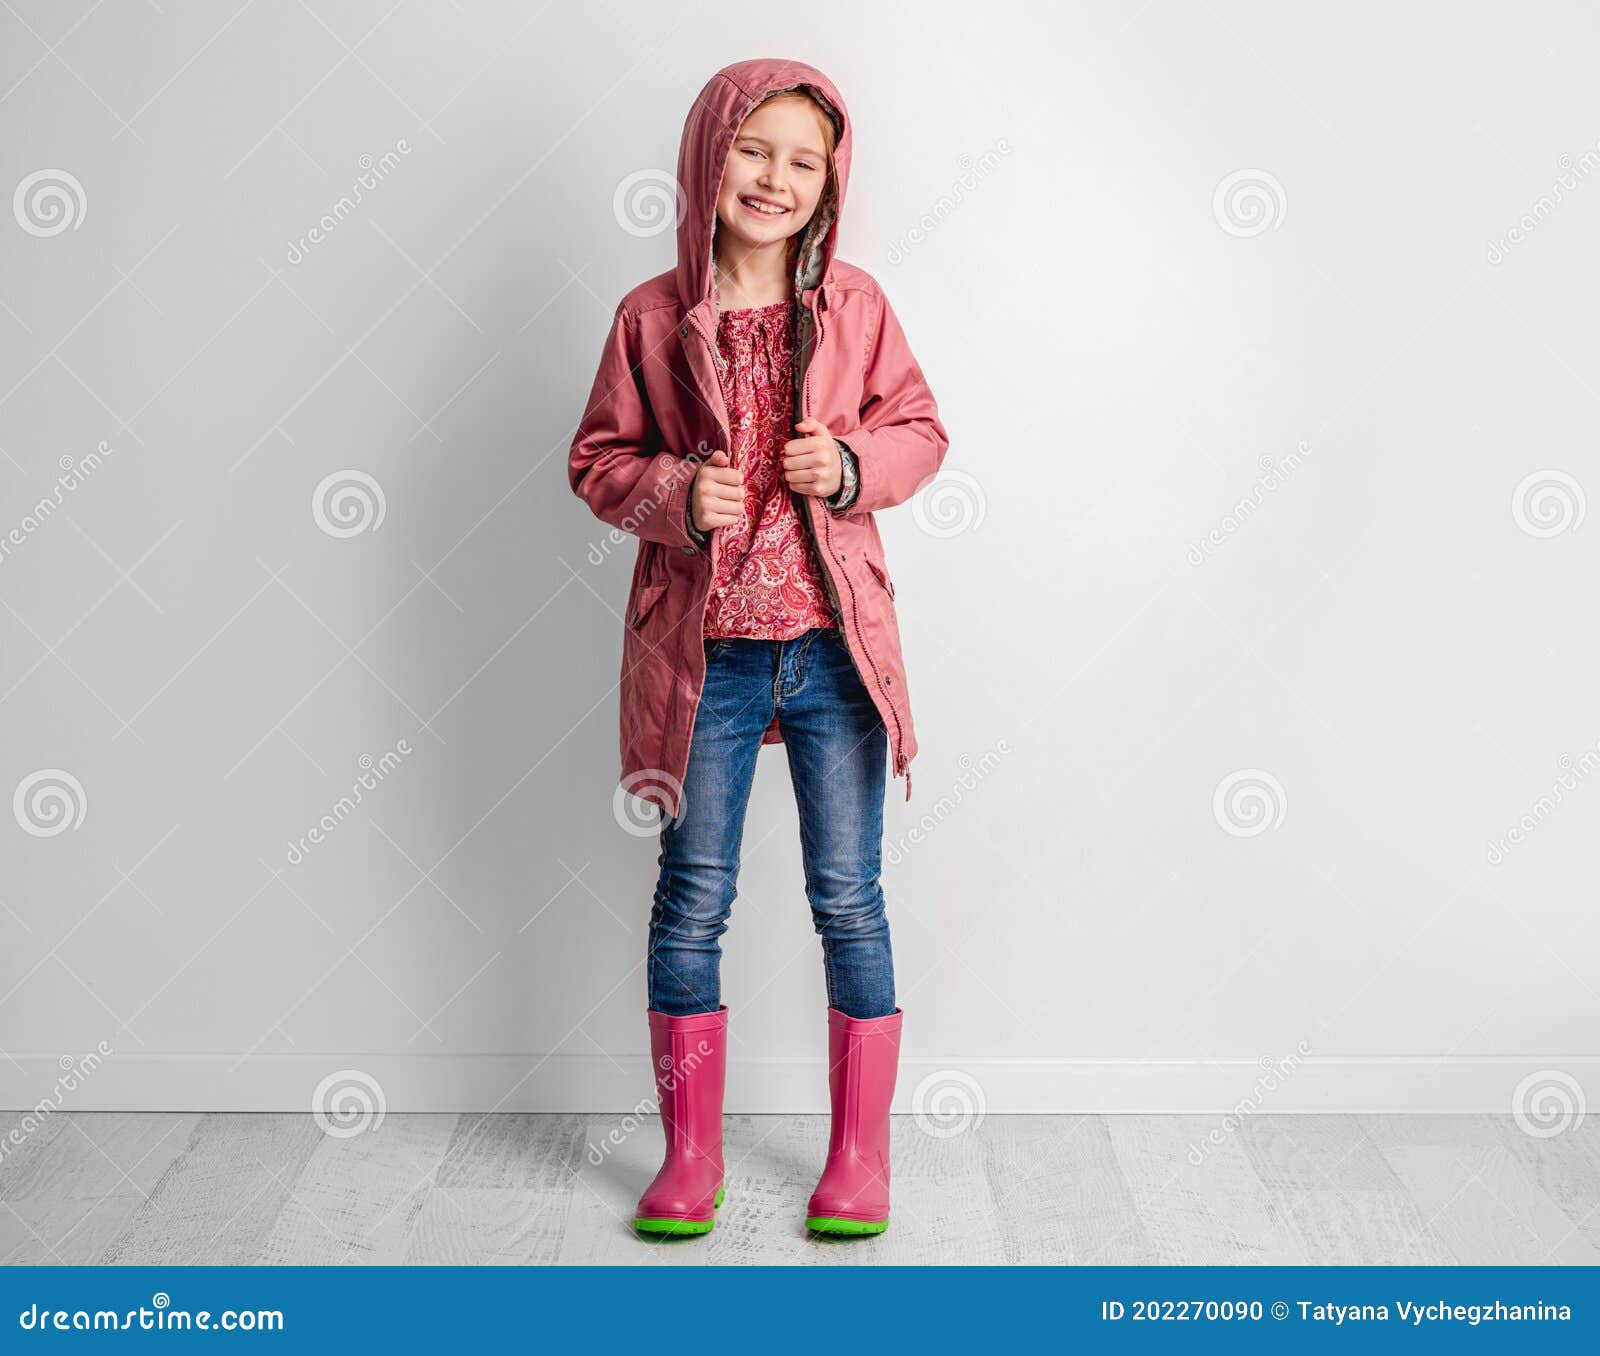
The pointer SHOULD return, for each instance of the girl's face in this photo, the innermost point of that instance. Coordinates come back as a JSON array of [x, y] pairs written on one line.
[[776, 172]]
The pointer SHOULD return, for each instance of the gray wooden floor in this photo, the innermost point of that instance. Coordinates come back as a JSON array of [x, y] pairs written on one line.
[[524, 1189]]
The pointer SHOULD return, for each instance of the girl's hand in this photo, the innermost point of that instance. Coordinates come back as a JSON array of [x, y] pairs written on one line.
[[811, 462], [716, 495]]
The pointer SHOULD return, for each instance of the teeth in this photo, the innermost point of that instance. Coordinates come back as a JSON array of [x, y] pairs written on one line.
[[764, 207]]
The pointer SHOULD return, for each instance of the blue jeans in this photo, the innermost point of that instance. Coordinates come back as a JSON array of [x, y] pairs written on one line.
[[838, 753]]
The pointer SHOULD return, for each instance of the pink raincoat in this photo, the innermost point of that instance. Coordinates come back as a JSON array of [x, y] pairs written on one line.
[[656, 409]]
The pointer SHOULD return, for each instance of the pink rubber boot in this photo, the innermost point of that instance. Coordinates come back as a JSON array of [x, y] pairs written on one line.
[[690, 1059], [853, 1195]]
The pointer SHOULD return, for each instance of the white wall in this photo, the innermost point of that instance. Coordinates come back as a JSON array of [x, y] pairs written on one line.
[[1390, 635]]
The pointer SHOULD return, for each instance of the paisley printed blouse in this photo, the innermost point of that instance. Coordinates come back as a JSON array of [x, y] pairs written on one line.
[[768, 584]]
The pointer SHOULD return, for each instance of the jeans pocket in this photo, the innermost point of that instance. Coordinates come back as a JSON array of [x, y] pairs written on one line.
[[714, 646]]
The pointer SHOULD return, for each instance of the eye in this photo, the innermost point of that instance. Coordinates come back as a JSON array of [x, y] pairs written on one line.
[[804, 164], [751, 150]]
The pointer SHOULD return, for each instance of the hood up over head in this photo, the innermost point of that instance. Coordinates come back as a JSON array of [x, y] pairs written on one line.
[[708, 132]]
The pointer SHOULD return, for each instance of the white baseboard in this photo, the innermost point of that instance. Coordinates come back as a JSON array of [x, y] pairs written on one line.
[[597, 1084]]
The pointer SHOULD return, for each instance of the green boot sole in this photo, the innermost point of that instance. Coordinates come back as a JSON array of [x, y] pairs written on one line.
[[827, 1224], [681, 1226]]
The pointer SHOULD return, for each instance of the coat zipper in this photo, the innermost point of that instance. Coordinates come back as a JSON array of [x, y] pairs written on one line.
[[813, 320], [720, 413]]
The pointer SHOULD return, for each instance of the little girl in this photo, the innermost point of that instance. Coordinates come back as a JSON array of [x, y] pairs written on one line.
[[761, 608]]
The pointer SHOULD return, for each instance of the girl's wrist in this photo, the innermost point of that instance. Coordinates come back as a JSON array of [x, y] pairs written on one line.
[[849, 480], [695, 534]]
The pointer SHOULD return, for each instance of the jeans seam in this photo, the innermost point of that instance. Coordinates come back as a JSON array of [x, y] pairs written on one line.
[[654, 938], [800, 666], [779, 691]]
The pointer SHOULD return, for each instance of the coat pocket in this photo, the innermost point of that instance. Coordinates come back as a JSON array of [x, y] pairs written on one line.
[[650, 588], [881, 574], [649, 596]]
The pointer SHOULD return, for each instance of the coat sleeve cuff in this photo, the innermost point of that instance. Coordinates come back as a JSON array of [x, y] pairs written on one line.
[[699, 538], [683, 533], [849, 483]]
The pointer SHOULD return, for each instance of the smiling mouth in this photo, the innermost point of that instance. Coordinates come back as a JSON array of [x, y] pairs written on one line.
[[762, 208]]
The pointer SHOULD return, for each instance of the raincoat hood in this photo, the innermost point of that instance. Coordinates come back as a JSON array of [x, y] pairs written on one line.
[[708, 132]]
